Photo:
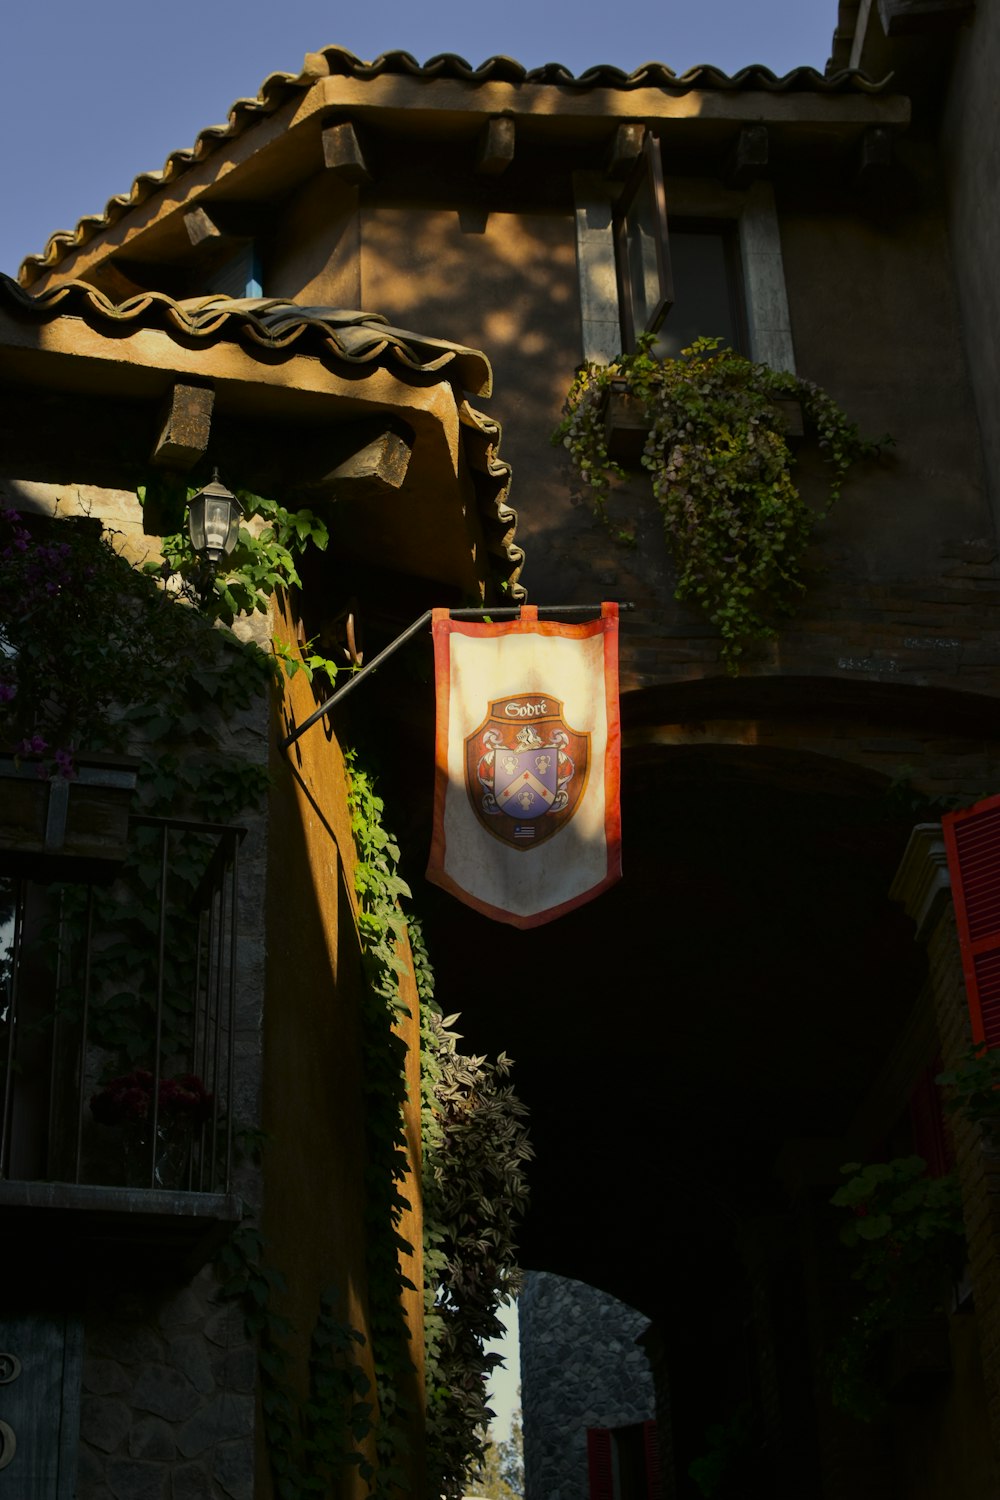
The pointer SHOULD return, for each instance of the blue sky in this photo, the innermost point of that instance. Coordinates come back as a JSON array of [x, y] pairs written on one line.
[[95, 94]]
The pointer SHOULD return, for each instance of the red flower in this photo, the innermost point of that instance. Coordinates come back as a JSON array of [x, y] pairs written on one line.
[[129, 1099]]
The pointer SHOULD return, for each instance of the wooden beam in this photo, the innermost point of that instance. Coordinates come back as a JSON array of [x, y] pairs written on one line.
[[185, 423], [626, 144], [749, 158], [342, 153], [909, 17], [358, 461], [382, 462], [496, 146], [875, 157], [204, 229]]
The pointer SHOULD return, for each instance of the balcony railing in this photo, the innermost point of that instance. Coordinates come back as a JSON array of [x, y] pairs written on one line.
[[117, 1029]]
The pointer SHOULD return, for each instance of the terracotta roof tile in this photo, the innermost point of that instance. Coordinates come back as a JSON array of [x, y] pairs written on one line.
[[278, 88], [346, 336]]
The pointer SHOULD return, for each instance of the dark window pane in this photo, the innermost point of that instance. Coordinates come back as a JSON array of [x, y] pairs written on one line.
[[705, 304]]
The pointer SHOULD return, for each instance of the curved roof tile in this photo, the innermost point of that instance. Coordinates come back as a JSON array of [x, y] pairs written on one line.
[[491, 477], [277, 88], [346, 336]]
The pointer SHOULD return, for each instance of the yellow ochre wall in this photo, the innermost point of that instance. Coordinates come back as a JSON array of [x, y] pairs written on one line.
[[313, 1108]]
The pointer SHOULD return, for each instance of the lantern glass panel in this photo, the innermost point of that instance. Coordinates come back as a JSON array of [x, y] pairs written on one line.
[[214, 522]]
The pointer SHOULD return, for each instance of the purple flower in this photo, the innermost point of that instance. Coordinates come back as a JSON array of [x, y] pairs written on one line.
[[33, 746], [8, 692]]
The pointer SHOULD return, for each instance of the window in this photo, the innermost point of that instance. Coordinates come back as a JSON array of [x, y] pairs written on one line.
[[623, 1463], [719, 270], [237, 276], [679, 281]]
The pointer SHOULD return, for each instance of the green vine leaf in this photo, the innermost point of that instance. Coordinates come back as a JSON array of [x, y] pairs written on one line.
[[721, 471]]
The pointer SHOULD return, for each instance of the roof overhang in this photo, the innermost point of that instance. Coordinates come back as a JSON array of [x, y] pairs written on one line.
[[276, 141], [294, 419]]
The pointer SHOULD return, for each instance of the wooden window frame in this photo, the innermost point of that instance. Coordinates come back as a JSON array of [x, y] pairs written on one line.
[[648, 169]]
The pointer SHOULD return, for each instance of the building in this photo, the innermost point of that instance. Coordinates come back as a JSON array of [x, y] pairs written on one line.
[[748, 1010]]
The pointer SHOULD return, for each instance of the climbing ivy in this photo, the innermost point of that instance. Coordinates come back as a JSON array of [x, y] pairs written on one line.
[[474, 1146], [312, 1442], [973, 1087], [266, 555], [382, 928], [98, 656]]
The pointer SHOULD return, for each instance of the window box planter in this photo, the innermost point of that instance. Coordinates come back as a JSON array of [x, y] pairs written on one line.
[[65, 829], [626, 426], [627, 423]]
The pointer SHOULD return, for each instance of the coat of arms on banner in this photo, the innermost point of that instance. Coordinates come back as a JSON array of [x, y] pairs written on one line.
[[526, 769]]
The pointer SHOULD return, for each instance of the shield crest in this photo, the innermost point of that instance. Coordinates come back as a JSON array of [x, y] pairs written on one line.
[[525, 769]]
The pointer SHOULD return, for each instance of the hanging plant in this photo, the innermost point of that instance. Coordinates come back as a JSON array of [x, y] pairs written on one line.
[[905, 1236], [721, 468]]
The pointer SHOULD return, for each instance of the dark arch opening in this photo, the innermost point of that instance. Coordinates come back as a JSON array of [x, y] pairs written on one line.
[[741, 986]]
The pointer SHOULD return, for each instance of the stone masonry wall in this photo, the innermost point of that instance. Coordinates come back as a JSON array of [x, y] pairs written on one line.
[[580, 1367], [168, 1397]]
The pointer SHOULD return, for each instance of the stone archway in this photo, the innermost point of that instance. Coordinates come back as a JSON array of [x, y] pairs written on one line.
[[697, 1048]]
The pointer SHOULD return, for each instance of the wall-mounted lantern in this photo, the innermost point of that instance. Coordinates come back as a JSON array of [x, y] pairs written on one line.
[[214, 516]]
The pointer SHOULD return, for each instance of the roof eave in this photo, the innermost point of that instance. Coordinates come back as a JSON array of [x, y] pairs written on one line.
[[280, 131]]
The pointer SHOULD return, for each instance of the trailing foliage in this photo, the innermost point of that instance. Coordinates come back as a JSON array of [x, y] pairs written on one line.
[[721, 469], [98, 658], [905, 1236], [974, 1089], [475, 1193]]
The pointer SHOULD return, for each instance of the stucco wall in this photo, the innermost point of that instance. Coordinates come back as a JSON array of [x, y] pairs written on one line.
[[902, 578], [971, 150], [314, 1110]]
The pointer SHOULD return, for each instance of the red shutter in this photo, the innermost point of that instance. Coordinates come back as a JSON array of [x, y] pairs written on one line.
[[654, 1477], [599, 1466], [972, 839]]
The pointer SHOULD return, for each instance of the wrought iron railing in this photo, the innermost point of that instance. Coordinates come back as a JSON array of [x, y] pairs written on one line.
[[118, 1018]]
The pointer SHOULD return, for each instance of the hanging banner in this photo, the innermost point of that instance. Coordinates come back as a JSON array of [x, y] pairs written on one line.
[[526, 808]]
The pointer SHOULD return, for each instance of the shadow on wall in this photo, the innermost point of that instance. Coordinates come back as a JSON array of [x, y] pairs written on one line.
[[505, 283]]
